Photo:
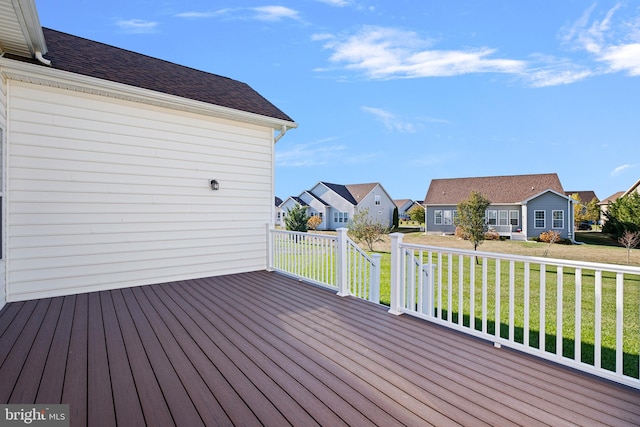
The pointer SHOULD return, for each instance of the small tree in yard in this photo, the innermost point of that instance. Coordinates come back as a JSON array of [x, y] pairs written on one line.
[[396, 218], [417, 214], [471, 218], [629, 239], [363, 229], [314, 222], [296, 219]]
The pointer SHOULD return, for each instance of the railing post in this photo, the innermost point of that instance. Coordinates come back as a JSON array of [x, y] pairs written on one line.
[[396, 267], [374, 279], [341, 261], [269, 247]]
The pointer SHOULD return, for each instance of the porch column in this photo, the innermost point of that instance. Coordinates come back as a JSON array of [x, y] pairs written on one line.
[[341, 263], [396, 268]]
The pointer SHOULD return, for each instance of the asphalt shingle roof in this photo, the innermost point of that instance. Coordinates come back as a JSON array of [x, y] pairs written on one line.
[[90, 58], [498, 189]]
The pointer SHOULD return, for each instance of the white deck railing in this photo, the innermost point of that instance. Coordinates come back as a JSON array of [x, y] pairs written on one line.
[[331, 261], [580, 314]]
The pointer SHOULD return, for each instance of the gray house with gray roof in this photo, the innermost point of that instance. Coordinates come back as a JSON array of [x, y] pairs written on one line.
[[336, 204], [521, 205]]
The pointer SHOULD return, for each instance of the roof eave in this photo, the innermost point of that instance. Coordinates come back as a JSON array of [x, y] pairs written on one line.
[[46, 76], [29, 21]]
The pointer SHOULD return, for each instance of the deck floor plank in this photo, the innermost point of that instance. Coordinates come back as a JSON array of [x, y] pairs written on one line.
[[263, 349], [52, 383], [125, 396], [74, 389], [100, 408], [178, 400], [205, 403], [424, 355], [152, 401]]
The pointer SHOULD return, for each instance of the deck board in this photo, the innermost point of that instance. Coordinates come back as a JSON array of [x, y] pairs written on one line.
[[263, 349]]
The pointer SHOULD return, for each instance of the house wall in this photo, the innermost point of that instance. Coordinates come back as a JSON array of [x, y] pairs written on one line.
[[548, 202], [104, 193], [3, 150], [432, 227], [337, 203], [382, 213], [315, 207]]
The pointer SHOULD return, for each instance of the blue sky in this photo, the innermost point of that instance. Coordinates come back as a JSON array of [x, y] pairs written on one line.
[[401, 92]]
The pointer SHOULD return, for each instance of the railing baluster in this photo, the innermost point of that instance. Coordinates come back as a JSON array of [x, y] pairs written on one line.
[[527, 303], [559, 309], [619, 322], [578, 316], [512, 299], [543, 304], [598, 321]]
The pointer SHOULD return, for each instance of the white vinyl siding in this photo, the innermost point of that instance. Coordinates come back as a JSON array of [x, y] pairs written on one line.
[[105, 194]]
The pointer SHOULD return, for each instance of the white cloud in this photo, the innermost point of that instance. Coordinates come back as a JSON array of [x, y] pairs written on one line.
[[338, 3], [137, 26], [262, 13], [613, 43], [311, 154], [389, 53], [618, 170], [389, 120]]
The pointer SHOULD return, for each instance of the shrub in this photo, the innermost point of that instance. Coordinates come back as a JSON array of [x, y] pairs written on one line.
[[314, 222], [461, 234], [491, 235]]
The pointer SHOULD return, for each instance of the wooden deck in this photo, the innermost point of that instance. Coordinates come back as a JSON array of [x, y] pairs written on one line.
[[263, 349]]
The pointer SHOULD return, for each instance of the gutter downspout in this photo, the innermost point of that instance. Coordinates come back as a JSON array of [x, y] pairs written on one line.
[[41, 59], [283, 131]]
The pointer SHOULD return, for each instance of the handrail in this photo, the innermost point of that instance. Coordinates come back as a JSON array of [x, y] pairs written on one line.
[[571, 312]]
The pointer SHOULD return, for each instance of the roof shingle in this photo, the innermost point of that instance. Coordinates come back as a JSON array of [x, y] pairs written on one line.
[[498, 189], [90, 58]]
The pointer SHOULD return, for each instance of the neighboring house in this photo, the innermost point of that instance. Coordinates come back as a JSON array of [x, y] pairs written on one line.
[[585, 196], [278, 220], [336, 204], [521, 205], [109, 162], [604, 204], [404, 206]]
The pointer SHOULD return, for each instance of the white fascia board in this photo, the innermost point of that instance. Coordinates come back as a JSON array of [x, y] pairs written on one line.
[[27, 15], [46, 76]]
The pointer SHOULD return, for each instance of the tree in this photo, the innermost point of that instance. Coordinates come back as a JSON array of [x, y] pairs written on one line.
[[585, 212], [363, 229], [471, 218], [396, 218], [629, 239], [579, 209], [623, 215], [314, 222], [417, 214], [296, 218]]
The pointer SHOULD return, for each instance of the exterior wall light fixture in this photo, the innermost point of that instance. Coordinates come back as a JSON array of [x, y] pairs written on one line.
[[214, 185]]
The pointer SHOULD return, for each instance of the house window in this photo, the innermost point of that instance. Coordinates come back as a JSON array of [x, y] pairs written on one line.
[[340, 217], [320, 215], [539, 219], [492, 217], [447, 218], [503, 218], [376, 200], [437, 217], [558, 219], [513, 218]]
